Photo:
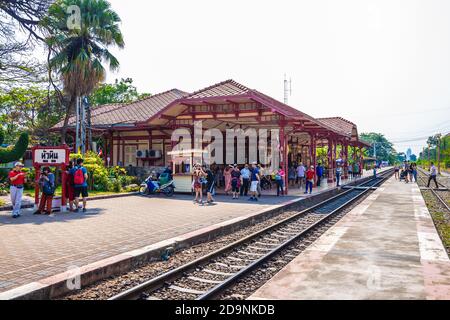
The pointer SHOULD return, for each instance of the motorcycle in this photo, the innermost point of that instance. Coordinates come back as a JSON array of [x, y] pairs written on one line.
[[164, 186]]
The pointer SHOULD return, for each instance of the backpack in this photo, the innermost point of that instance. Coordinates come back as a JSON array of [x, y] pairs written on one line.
[[48, 189], [78, 177]]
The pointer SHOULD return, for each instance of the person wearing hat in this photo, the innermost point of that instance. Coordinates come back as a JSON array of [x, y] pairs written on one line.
[[17, 179], [255, 178]]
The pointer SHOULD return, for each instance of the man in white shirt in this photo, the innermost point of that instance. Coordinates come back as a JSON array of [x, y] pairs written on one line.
[[245, 174], [301, 175], [433, 174]]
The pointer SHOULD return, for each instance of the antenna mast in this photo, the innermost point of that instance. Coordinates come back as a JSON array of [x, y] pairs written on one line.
[[287, 89]]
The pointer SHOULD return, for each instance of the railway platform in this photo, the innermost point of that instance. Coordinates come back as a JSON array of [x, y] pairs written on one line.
[[385, 248], [38, 250]]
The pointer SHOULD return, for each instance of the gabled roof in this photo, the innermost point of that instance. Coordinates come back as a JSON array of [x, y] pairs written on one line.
[[130, 113], [221, 89], [231, 88], [339, 124]]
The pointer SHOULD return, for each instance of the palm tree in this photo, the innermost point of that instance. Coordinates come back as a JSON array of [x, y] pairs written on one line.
[[78, 53]]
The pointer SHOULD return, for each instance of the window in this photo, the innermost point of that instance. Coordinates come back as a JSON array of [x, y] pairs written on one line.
[[130, 155]]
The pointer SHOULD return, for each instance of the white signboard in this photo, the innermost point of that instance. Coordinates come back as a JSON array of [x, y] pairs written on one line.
[[50, 156]]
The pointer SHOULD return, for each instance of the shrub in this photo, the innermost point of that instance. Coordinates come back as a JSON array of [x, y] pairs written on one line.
[[116, 185], [3, 188], [102, 178], [98, 174]]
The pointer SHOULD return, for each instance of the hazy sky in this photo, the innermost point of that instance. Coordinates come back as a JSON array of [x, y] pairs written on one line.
[[384, 65]]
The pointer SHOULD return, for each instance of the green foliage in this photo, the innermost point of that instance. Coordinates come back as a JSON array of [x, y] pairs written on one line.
[[116, 185], [98, 177], [384, 148], [431, 153], [79, 52], [31, 109], [13, 153], [102, 178], [121, 91]]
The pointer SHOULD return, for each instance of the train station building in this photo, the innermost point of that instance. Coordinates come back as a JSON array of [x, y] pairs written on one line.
[[138, 135]]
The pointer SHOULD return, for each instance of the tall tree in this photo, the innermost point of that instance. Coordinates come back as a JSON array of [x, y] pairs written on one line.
[[80, 50], [121, 91], [19, 30], [31, 109], [384, 148]]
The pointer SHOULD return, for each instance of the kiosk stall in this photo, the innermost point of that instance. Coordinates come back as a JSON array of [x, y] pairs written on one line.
[[182, 166]]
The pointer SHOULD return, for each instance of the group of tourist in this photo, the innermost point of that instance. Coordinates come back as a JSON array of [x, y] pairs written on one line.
[[76, 187], [249, 180], [240, 182], [406, 171]]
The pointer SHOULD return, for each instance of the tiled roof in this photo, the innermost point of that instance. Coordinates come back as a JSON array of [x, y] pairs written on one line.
[[339, 124], [233, 88], [283, 108], [141, 110], [225, 88]]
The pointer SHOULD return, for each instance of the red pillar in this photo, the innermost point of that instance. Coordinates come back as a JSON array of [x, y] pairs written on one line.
[[361, 161], [330, 161], [334, 157], [284, 154], [63, 188], [345, 154], [313, 154], [111, 150], [37, 170]]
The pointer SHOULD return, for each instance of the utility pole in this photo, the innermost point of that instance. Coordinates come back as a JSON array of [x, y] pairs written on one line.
[[87, 108], [77, 125], [83, 127], [438, 136]]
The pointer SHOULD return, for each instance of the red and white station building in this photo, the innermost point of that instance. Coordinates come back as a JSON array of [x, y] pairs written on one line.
[[148, 124]]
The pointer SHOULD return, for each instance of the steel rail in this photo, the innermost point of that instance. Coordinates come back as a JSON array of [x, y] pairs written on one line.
[[437, 195], [427, 175], [159, 281], [214, 292]]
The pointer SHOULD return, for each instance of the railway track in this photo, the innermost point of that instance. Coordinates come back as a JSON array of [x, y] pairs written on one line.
[[209, 276], [436, 192]]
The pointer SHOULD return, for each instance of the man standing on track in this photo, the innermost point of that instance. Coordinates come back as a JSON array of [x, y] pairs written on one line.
[[433, 174]]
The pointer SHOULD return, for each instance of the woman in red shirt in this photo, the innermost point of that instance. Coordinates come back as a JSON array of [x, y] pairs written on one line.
[[17, 179], [310, 175]]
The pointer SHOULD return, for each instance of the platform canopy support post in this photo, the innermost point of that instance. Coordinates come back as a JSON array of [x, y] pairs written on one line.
[[334, 158], [345, 153], [330, 161], [284, 154]]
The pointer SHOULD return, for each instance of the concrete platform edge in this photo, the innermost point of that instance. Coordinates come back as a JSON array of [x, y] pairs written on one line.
[[60, 284]]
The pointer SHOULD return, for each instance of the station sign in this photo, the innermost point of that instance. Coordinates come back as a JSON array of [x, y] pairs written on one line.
[[50, 156]]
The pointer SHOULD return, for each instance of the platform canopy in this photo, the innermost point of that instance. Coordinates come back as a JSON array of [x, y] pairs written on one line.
[[230, 105], [225, 105]]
